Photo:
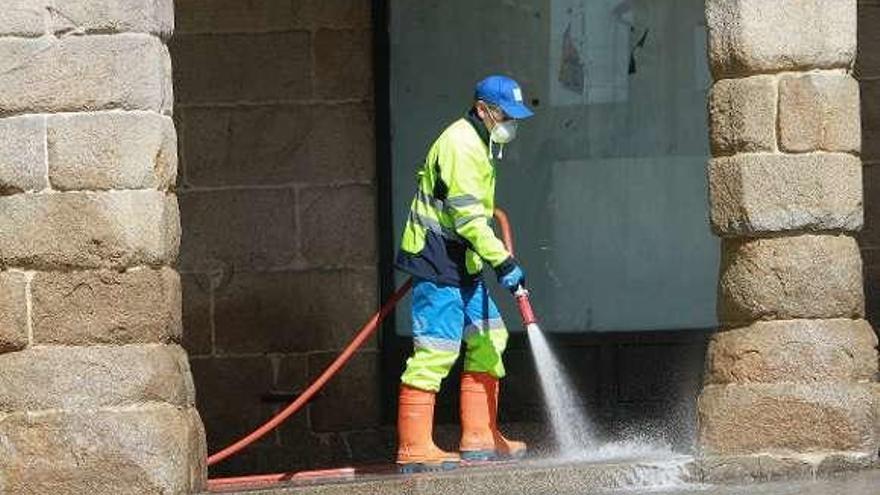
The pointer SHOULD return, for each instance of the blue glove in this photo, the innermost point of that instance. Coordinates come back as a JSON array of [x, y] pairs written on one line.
[[512, 278]]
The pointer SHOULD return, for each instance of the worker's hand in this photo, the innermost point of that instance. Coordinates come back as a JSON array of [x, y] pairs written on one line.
[[512, 277]]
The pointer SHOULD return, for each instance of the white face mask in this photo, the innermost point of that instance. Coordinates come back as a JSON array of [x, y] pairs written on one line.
[[504, 132]]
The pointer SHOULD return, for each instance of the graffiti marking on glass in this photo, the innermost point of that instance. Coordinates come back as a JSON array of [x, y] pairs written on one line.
[[590, 51]]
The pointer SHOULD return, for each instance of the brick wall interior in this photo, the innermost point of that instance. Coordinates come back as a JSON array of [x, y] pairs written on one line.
[[274, 110], [868, 74]]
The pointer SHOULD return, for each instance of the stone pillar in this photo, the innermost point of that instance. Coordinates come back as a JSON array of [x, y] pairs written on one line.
[[790, 376], [96, 394]]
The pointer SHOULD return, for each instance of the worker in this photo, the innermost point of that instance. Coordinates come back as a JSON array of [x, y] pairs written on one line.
[[446, 242]]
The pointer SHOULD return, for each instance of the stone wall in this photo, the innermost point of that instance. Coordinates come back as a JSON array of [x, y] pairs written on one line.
[[793, 370], [275, 117], [96, 394]]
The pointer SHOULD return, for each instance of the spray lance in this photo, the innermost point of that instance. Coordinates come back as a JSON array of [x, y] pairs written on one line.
[[525, 308]]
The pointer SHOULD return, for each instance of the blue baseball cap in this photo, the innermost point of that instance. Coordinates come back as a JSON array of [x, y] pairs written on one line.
[[505, 93]]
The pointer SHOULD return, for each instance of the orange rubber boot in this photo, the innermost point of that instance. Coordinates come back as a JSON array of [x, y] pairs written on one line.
[[416, 451], [480, 438]]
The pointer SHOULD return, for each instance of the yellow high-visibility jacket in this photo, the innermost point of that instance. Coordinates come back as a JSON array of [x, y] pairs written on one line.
[[448, 234]]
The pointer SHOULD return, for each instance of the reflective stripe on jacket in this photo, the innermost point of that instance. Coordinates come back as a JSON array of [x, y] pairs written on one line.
[[448, 236]]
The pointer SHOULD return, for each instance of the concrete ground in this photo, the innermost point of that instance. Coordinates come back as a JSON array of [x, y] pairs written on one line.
[[860, 483], [663, 477]]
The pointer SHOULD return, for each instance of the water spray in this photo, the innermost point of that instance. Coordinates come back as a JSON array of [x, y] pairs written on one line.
[[574, 434]]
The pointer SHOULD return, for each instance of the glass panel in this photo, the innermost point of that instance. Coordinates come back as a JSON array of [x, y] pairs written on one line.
[[606, 185]]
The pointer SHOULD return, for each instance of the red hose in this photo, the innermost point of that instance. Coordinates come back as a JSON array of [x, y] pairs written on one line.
[[521, 295], [261, 480], [335, 366], [328, 373], [506, 231]]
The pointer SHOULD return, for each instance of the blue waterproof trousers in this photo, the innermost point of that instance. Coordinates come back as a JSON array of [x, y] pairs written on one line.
[[441, 316]]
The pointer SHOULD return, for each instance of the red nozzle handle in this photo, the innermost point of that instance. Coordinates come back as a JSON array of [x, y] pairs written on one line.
[[525, 307]]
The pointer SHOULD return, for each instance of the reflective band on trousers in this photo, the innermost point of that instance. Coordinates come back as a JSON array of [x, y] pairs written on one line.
[[437, 344]]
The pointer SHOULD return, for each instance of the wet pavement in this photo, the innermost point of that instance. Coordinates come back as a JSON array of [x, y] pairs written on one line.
[[861, 483], [660, 476]]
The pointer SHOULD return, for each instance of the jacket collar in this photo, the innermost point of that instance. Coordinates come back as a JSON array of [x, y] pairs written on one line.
[[478, 125]]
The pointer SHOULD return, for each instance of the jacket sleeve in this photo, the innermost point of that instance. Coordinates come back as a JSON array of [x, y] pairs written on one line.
[[468, 187]]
